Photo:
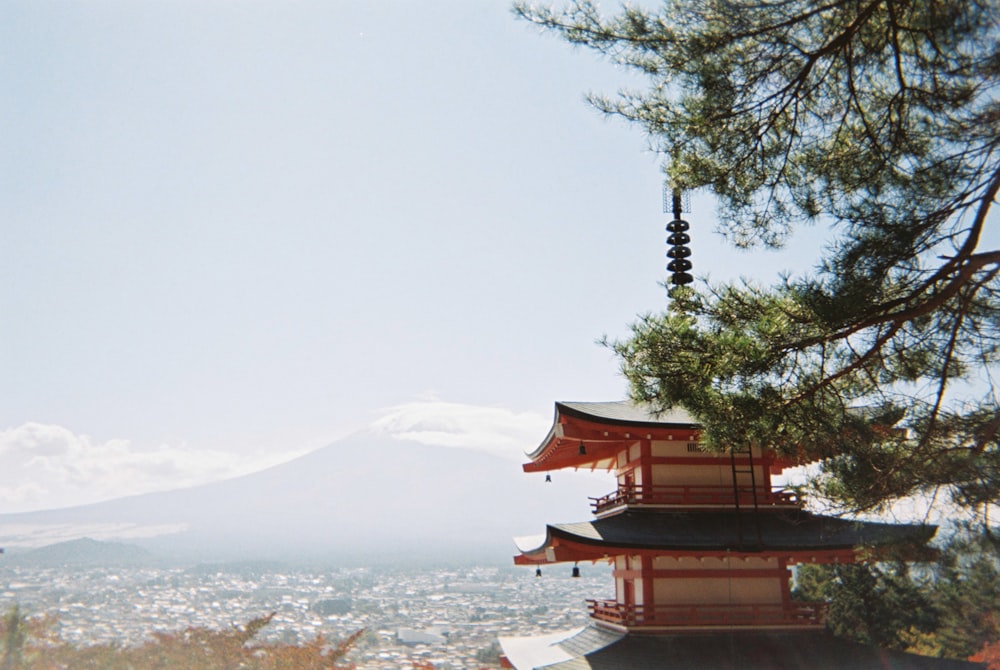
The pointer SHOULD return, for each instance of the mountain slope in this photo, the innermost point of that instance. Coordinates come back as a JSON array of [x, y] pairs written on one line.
[[365, 497], [84, 551]]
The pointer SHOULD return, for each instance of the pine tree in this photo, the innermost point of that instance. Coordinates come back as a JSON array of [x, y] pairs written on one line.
[[14, 636], [879, 121], [948, 608], [966, 592]]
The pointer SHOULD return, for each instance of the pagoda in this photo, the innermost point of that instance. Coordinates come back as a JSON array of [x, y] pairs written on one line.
[[702, 547]]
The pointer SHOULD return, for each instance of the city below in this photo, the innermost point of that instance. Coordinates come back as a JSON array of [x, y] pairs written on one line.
[[449, 617]]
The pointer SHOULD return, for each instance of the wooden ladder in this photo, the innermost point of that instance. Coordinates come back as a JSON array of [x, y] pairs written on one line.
[[744, 469]]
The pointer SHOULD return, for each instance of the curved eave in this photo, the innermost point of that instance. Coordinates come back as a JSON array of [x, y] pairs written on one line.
[[569, 551], [799, 536], [604, 429], [627, 414]]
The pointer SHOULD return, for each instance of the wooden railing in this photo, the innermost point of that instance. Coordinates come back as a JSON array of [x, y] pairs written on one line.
[[694, 496], [793, 615]]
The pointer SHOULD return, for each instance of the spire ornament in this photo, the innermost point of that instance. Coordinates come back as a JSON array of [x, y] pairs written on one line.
[[679, 252]]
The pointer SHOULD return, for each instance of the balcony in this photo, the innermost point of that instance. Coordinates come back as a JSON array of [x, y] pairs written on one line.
[[792, 615], [693, 496]]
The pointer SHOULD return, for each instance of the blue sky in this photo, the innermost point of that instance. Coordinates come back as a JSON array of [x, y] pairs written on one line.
[[234, 231]]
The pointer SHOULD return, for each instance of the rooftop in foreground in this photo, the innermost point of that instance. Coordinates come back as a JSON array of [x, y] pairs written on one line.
[[595, 649]]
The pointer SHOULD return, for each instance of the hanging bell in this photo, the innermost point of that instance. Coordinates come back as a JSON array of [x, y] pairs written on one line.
[[538, 572], [576, 571], [548, 478]]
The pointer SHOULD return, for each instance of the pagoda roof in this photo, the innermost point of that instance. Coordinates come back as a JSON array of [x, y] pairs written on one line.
[[592, 649], [628, 412], [554, 649], [603, 427], [792, 531]]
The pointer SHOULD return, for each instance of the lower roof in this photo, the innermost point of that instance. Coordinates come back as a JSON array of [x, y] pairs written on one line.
[[593, 649], [555, 649], [787, 530]]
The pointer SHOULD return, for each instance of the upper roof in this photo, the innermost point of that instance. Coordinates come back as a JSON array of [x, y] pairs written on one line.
[[816, 650], [792, 531], [588, 434], [628, 412]]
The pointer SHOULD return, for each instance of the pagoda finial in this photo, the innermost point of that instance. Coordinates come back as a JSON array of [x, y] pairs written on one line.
[[678, 239]]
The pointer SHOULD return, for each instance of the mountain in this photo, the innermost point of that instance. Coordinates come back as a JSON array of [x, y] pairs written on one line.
[[83, 551], [369, 497]]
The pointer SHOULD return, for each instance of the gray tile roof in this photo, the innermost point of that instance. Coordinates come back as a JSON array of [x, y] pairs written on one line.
[[627, 411], [790, 530], [557, 649], [814, 650], [621, 413]]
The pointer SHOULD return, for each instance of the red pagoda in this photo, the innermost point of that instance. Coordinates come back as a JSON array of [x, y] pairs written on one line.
[[702, 547]]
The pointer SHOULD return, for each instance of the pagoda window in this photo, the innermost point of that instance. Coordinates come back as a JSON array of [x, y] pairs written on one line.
[[666, 449], [672, 475], [734, 581]]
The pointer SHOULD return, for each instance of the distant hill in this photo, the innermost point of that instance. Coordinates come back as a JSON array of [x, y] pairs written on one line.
[[83, 551], [368, 497]]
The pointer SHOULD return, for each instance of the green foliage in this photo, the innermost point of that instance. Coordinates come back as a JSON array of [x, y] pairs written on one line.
[[21, 637], [873, 604], [13, 638], [878, 119], [29, 644], [949, 608], [489, 654], [967, 594]]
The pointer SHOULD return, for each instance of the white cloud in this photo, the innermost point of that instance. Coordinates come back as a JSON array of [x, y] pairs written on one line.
[[46, 466], [493, 430]]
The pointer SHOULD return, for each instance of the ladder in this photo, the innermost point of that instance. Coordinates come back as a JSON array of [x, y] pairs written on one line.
[[744, 469]]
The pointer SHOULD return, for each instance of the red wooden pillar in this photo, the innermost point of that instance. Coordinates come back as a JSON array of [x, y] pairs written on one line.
[[648, 590], [646, 464], [786, 583]]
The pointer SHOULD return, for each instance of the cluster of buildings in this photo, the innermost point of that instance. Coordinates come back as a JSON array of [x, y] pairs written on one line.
[[448, 617]]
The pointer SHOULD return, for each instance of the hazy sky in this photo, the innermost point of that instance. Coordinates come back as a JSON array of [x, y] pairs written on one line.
[[236, 230]]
